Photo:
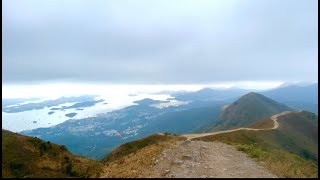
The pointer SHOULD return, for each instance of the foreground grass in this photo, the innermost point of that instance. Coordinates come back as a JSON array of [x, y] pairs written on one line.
[[24, 156], [280, 162]]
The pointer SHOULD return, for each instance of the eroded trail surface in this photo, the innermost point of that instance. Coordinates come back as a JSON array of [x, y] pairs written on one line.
[[273, 118], [205, 159]]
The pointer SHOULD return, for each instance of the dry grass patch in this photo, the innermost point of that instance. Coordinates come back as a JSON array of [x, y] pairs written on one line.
[[139, 161]]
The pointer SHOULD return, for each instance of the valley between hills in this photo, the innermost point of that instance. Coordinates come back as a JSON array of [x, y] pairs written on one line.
[[281, 142]]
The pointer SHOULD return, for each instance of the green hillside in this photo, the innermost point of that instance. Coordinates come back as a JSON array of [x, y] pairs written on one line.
[[24, 156], [289, 151], [246, 111]]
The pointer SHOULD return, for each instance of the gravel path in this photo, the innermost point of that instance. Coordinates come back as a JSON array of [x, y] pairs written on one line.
[[209, 159], [274, 118], [206, 159]]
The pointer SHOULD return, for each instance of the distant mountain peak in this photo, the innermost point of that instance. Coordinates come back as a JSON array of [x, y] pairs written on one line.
[[298, 84], [251, 94], [247, 110], [294, 93]]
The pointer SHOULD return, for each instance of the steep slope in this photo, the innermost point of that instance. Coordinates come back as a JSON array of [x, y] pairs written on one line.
[[246, 111], [24, 156], [291, 150], [302, 129]]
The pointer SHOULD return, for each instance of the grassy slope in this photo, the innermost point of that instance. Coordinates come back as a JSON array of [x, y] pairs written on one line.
[[246, 111], [266, 123], [24, 156], [133, 159], [289, 151]]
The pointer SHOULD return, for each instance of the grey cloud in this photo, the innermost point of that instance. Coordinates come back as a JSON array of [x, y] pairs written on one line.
[[160, 41]]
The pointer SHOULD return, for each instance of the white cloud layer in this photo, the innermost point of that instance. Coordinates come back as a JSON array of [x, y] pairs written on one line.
[[159, 41], [55, 90]]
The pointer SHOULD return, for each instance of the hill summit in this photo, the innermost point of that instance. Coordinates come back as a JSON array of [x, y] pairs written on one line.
[[247, 110]]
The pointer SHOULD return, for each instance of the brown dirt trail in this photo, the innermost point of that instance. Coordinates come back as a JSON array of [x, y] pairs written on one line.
[[274, 118], [209, 159], [206, 159]]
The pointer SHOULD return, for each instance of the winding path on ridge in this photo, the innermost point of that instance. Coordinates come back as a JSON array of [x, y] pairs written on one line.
[[189, 158], [273, 118]]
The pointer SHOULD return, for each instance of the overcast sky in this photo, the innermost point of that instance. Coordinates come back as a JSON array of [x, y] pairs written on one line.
[[159, 42]]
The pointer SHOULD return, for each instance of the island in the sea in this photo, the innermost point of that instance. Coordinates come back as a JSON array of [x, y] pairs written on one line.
[[70, 114]]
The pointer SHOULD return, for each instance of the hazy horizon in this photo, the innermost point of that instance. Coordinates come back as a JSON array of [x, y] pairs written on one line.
[[55, 90]]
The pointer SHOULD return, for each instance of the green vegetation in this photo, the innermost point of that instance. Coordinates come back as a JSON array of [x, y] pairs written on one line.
[[289, 151], [252, 151], [264, 124], [280, 162], [24, 156], [168, 134], [246, 111], [186, 121], [63, 147], [174, 119]]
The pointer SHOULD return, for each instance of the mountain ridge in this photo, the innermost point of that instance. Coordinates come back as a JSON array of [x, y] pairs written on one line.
[[247, 110], [281, 148], [294, 93]]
